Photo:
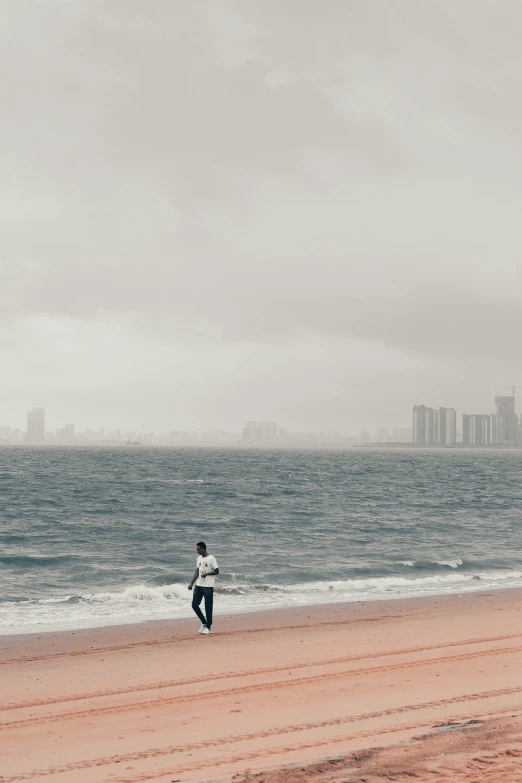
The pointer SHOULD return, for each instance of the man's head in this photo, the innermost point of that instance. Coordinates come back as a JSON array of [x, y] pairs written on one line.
[[201, 548]]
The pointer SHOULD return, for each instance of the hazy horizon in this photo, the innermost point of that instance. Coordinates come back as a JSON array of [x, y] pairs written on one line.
[[302, 212]]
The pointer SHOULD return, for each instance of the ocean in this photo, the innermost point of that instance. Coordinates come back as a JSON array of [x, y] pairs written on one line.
[[105, 536]]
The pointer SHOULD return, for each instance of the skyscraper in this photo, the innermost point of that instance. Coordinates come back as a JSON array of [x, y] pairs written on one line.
[[36, 426], [475, 429], [447, 426], [506, 409], [497, 430], [482, 429], [425, 426], [251, 432], [268, 431]]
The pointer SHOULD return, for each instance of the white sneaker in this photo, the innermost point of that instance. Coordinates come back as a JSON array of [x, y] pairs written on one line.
[[201, 629], [206, 630]]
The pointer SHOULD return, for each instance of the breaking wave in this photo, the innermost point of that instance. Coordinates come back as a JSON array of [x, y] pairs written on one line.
[[143, 602], [455, 563]]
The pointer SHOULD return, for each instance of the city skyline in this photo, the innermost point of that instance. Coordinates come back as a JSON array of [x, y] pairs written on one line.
[[431, 427], [253, 433], [438, 427]]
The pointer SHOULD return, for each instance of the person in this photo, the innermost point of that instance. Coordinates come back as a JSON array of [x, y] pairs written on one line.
[[205, 579]]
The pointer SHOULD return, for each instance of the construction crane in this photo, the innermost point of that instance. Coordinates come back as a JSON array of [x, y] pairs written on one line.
[[513, 389]]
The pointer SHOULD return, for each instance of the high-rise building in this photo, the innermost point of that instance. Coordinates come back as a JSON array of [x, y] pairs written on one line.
[[382, 435], [506, 410], [36, 426], [268, 431], [260, 432], [475, 429], [425, 426], [447, 426], [505, 405], [482, 429], [497, 430], [251, 433]]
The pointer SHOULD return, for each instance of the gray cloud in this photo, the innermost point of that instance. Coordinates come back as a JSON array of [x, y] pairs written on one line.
[[301, 184]]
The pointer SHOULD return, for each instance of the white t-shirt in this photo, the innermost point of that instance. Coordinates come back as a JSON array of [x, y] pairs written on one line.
[[206, 564]]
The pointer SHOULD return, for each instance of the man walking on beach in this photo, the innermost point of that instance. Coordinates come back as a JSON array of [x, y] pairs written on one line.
[[205, 578]]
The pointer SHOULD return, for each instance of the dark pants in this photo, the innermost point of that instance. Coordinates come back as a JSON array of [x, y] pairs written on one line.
[[208, 594]]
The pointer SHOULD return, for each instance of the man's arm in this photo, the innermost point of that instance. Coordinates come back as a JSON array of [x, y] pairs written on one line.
[[196, 574], [215, 572]]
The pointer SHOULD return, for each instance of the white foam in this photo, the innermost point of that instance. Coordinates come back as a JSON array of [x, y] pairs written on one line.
[[139, 593], [450, 563], [380, 584], [140, 602]]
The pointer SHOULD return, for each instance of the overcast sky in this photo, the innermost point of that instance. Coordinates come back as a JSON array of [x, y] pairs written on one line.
[[301, 210]]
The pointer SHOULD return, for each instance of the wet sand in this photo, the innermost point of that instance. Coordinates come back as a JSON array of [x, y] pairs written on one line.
[[343, 692]]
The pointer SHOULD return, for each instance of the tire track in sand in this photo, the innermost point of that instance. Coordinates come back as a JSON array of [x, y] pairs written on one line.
[[254, 688], [171, 750], [269, 753], [252, 672]]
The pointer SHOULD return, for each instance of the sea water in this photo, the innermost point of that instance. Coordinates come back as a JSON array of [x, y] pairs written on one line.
[[98, 536]]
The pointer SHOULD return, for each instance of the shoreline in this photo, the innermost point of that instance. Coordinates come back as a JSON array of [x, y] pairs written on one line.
[[133, 622], [268, 690]]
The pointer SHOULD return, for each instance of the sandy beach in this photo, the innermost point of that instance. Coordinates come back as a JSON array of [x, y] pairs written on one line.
[[425, 689]]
